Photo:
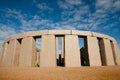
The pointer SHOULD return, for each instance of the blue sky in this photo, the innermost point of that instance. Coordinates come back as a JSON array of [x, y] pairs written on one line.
[[18, 16]]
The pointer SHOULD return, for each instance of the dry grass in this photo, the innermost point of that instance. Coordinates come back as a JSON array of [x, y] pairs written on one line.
[[60, 73]]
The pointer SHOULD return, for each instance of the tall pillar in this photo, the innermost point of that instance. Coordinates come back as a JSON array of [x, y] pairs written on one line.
[[48, 56], [4, 52], [56, 48], [17, 53], [11, 54], [72, 52], [106, 49], [93, 51], [27, 53], [63, 47], [116, 53]]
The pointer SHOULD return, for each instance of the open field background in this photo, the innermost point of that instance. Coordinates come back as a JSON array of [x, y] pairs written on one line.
[[60, 73]]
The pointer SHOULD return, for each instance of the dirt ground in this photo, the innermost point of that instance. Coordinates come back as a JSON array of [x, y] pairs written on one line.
[[60, 73]]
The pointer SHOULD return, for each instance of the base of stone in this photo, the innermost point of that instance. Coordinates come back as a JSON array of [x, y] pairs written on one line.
[[60, 73]]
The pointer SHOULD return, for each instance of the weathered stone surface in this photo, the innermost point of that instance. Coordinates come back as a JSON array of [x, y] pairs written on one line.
[[4, 53], [107, 50], [72, 52], [59, 32], [63, 47], [81, 33], [99, 49], [93, 51], [56, 48], [27, 53], [16, 53], [47, 56], [9, 59], [116, 53]]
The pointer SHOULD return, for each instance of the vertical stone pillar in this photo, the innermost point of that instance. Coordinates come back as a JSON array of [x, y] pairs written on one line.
[[27, 54], [4, 53], [63, 47], [116, 53], [106, 49], [47, 56], [56, 48], [72, 52], [17, 53], [93, 51], [11, 54]]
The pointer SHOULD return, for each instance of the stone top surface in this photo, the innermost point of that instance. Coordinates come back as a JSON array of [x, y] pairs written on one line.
[[59, 33]]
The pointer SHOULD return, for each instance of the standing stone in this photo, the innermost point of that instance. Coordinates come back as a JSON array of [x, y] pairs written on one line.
[[72, 52], [116, 53], [63, 47], [47, 56], [93, 51], [11, 53], [17, 53], [106, 49], [56, 48], [4, 53], [27, 54]]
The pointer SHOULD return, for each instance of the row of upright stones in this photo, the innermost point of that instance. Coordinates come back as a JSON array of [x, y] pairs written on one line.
[[20, 50]]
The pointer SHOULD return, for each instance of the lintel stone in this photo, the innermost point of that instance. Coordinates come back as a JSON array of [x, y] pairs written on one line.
[[81, 33], [59, 32]]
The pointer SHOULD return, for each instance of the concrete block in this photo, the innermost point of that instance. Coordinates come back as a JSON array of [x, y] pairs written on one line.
[[37, 33], [63, 47], [16, 53], [4, 53], [116, 53], [94, 34], [93, 51], [72, 52], [27, 53], [59, 32], [10, 53], [56, 48], [48, 56], [81, 33], [107, 50]]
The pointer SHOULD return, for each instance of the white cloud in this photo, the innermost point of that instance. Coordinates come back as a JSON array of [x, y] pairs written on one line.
[[116, 5], [44, 6], [5, 32], [64, 5], [69, 4], [74, 2], [108, 5]]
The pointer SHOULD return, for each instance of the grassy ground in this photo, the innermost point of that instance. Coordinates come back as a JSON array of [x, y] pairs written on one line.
[[60, 73]]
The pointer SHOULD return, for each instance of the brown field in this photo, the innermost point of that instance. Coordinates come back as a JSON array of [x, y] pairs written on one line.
[[60, 73]]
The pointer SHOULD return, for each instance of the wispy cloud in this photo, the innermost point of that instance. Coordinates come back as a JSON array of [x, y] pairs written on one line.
[[81, 16], [68, 4], [74, 14], [44, 6], [74, 2], [108, 5], [5, 32]]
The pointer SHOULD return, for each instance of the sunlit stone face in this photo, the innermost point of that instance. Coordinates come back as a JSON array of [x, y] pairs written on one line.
[[63, 48]]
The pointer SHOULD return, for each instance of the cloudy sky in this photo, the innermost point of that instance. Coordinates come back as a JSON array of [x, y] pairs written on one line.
[[18, 16]]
